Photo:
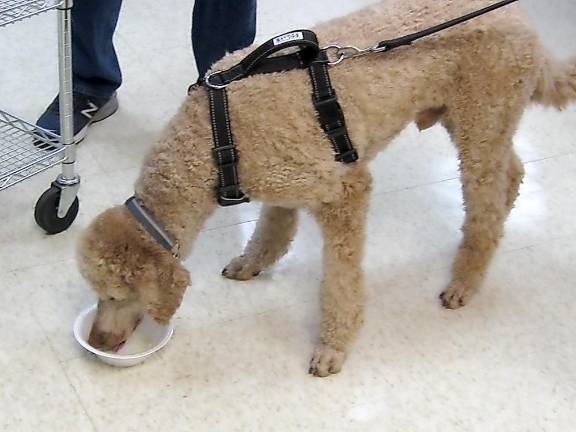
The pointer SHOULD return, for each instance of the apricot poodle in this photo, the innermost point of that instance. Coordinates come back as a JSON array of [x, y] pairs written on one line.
[[475, 79]]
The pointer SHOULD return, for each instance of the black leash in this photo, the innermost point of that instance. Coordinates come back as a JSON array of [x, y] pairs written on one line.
[[336, 53], [388, 45], [305, 53]]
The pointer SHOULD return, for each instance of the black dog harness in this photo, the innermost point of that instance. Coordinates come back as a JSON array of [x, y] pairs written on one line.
[[306, 54], [261, 61]]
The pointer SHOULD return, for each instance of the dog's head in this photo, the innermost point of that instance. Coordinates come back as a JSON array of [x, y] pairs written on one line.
[[131, 275]]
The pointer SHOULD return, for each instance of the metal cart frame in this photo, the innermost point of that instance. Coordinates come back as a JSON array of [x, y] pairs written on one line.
[[26, 149]]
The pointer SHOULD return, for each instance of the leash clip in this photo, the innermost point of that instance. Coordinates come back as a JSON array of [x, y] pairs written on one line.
[[336, 54], [379, 48]]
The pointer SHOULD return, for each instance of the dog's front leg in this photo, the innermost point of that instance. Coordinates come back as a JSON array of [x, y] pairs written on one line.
[[342, 293], [274, 233]]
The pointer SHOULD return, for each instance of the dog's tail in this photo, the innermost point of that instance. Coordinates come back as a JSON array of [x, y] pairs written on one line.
[[557, 83]]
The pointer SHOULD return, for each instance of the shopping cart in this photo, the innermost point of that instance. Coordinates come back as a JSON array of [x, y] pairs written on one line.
[[26, 149]]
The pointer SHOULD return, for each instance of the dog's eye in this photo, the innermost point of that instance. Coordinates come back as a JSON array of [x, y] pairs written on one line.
[[112, 298]]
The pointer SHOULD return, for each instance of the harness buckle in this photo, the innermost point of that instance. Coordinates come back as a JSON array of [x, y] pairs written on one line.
[[336, 131], [231, 195], [329, 110], [348, 157], [223, 148], [225, 159]]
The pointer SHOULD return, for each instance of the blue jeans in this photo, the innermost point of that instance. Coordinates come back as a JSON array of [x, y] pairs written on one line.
[[218, 26]]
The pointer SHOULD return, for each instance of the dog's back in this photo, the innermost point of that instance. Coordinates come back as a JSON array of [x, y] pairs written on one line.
[[495, 57], [284, 155]]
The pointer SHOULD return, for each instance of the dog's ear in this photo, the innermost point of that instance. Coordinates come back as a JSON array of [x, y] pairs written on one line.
[[161, 287]]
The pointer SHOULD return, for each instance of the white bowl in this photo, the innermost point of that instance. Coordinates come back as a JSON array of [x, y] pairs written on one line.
[[146, 339]]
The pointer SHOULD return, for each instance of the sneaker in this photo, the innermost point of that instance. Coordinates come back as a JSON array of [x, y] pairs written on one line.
[[87, 110]]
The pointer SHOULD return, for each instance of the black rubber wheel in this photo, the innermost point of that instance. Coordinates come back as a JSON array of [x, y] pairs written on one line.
[[46, 212]]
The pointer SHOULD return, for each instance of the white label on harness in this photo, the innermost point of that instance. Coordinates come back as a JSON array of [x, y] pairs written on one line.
[[287, 38]]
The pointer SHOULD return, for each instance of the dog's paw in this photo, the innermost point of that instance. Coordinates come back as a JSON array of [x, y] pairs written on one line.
[[456, 295], [241, 268], [326, 361]]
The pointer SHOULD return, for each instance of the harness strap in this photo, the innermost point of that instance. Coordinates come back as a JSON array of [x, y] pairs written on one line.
[[224, 151], [330, 114], [261, 61], [280, 64], [150, 224]]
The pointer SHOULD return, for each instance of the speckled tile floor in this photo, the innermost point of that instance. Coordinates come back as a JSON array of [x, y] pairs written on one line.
[[239, 357]]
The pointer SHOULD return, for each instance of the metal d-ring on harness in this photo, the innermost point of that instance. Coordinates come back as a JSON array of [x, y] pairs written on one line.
[[317, 60]]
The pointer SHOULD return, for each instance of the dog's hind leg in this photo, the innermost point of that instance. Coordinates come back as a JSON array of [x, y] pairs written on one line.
[[342, 293], [271, 239], [491, 174]]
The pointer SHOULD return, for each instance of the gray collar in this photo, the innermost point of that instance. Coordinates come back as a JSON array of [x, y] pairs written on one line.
[[152, 226]]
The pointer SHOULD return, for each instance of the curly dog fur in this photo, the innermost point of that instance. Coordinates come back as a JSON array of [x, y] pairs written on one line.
[[475, 79]]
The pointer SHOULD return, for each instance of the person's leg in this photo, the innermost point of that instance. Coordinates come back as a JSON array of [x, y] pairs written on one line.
[[94, 61], [221, 26], [95, 69]]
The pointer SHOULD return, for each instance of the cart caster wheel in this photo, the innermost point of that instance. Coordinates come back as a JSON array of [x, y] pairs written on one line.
[[46, 212]]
